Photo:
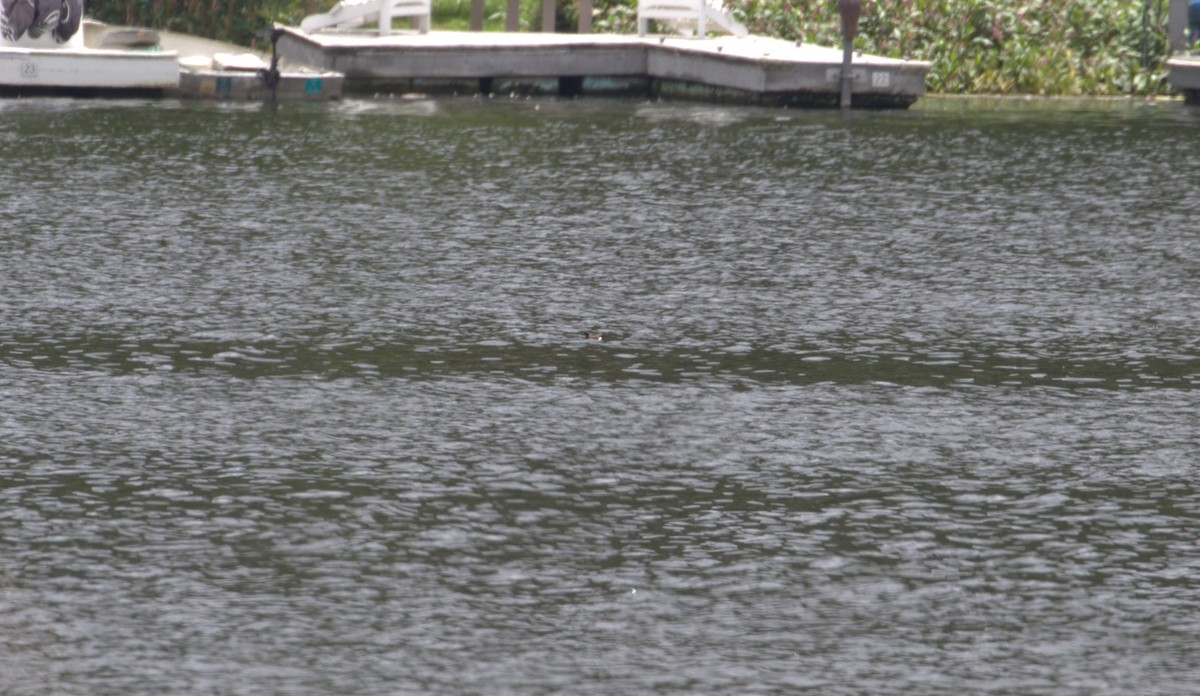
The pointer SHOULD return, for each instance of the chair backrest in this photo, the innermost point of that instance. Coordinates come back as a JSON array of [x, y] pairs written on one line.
[[686, 14], [354, 13]]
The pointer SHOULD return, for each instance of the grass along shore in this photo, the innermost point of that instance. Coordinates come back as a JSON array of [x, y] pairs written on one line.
[[1040, 47]]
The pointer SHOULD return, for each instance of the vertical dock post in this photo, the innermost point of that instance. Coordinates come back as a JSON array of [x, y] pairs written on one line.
[[548, 8], [512, 16], [850, 10], [1177, 25], [585, 16], [385, 18], [476, 15]]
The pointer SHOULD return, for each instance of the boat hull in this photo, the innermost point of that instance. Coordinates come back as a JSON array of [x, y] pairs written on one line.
[[82, 69]]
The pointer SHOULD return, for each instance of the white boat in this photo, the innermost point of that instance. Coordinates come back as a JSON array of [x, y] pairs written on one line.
[[45, 61], [91, 58]]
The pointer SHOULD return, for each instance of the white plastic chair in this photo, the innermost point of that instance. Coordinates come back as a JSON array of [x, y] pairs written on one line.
[[354, 13], [684, 14]]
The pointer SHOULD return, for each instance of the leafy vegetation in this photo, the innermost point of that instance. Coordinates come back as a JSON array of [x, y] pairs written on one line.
[[1047, 47], [237, 21]]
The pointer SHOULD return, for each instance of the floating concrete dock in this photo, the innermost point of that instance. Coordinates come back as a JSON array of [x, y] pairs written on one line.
[[750, 69], [215, 70], [1183, 72]]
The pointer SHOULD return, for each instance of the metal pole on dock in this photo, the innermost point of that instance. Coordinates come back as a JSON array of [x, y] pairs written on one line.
[[585, 16], [512, 16], [476, 15], [1177, 25], [850, 10]]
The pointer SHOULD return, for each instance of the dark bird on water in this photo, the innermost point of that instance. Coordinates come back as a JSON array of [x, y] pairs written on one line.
[[593, 335]]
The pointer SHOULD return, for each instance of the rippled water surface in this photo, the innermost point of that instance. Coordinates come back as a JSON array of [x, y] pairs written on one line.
[[299, 400]]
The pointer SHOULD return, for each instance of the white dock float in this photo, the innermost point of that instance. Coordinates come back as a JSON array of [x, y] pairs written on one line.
[[1183, 72], [215, 70], [727, 68]]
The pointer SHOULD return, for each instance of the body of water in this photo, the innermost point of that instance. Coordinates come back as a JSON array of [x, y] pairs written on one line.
[[299, 400]]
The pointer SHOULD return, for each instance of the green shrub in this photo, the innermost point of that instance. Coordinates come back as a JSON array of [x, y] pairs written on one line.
[[1051, 47], [236, 21]]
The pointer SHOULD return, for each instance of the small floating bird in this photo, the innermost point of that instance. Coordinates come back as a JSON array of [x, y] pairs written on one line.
[[593, 335]]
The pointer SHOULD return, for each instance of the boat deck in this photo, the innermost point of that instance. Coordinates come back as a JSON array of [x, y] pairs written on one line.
[[751, 69]]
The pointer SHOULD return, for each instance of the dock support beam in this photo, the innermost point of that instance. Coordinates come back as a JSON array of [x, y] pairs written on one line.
[[847, 73], [476, 15], [585, 16], [850, 10], [512, 16], [1177, 25], [570, 86]]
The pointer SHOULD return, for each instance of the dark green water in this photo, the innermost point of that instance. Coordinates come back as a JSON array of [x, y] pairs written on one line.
[[299, 402]]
